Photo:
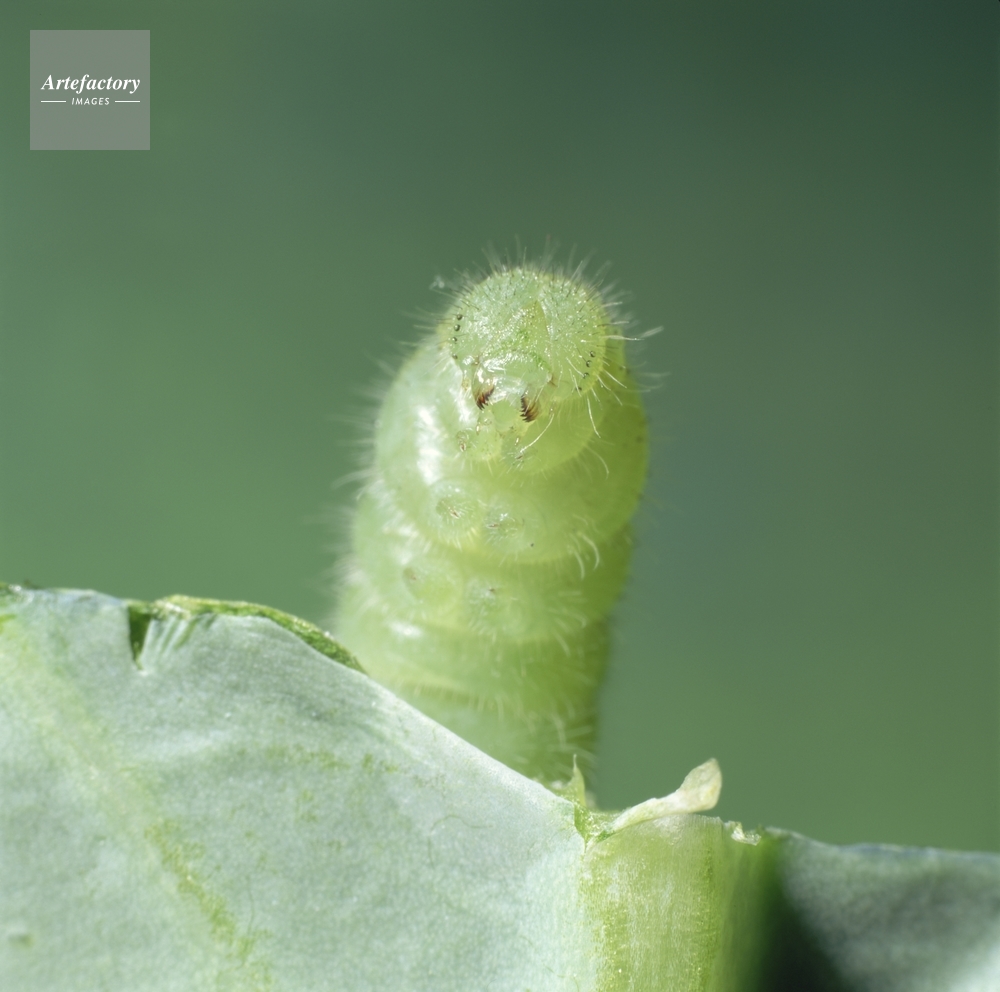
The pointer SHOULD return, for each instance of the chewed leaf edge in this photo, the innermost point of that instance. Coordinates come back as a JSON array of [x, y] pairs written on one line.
[[141, 613]]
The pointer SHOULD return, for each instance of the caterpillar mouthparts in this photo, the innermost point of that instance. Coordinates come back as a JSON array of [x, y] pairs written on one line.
[[492, 538]]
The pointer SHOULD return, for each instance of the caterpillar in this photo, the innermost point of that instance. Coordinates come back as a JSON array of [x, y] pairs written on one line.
[[491, 536]]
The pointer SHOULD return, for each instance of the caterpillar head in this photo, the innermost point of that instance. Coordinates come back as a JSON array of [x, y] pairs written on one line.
[[526, 340]]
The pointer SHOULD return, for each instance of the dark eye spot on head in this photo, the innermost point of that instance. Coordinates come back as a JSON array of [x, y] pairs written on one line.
[[484, 397], [529, 410]]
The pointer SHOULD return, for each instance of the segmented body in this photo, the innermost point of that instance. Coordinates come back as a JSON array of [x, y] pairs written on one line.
[[492, 537]]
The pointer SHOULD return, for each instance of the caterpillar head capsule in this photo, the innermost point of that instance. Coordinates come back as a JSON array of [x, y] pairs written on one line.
[[525, 339], [532, 346]]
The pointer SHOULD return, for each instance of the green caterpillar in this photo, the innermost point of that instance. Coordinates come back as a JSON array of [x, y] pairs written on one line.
[[492, 536]]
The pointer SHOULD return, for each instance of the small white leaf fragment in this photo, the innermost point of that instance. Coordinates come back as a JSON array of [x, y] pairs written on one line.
[[698, 792], [737, 833]]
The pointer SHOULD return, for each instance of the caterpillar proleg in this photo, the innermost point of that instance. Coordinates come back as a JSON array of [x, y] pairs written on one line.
[[492, 536]]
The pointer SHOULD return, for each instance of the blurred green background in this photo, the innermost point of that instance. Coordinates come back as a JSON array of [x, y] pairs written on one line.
[[803, 194]]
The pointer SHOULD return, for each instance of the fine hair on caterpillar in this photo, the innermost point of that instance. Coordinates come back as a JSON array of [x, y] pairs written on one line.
[[491, 537]]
